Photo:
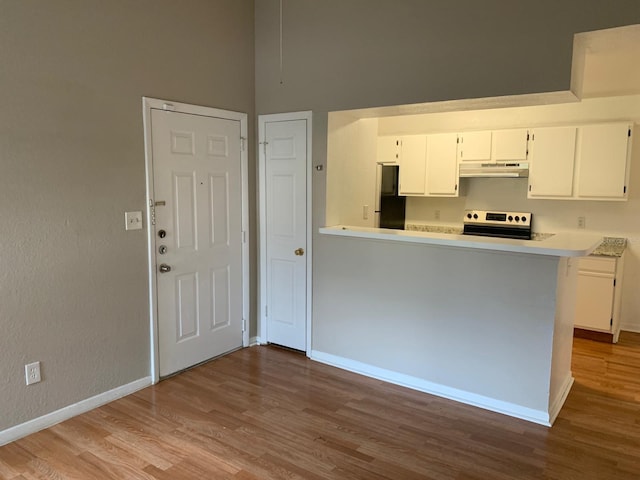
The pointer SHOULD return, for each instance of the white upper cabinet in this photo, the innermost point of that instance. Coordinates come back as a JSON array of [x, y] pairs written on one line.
[[509, 145], [589, 162], [474, 146], [552, 157], [389, 149], [442, 165], [603, 156], [413, 167]]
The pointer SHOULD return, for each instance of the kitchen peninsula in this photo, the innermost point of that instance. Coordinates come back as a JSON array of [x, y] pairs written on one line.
[[484, 321]]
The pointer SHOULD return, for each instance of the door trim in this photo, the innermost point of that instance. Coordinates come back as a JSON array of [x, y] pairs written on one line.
[[149, 104], [262, 227]]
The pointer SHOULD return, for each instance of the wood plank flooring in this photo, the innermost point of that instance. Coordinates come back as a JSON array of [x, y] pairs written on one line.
[[267, 413]]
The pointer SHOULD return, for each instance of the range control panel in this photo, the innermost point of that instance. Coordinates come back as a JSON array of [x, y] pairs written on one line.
[[482, 217]]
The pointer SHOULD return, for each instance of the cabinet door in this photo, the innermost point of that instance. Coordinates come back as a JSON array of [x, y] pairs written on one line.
[[602, 160], [594, 297], [552, 158], [442, 165], [509, 145], [413, 166], [474, 147], [388, 149]]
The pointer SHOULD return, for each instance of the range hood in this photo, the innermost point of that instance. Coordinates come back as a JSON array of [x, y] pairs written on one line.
[[495, 170]]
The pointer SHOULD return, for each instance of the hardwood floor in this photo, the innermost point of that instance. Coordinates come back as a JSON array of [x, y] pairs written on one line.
[[267, 413]]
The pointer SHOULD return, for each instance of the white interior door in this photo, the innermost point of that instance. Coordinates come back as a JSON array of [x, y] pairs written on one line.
[[284, 227], [198, 227]]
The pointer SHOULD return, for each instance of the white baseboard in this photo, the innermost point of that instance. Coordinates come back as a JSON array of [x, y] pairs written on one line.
[[32, 426], [253, 341], [557, 404], [630, 328], [536, 416]]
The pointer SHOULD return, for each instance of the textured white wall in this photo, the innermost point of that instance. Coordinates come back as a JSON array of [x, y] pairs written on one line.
[[73, 283]]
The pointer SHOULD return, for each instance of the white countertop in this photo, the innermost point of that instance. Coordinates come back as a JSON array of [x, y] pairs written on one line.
[[564, 244]]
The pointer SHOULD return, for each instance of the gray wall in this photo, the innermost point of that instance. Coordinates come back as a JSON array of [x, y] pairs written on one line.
[[73, 283], [346, 54]]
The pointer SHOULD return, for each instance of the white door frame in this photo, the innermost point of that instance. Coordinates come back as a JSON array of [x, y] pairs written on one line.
[[262, 229], [149, 104]]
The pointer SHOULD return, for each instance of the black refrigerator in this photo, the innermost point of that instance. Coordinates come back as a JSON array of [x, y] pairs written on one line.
[[391, 206]]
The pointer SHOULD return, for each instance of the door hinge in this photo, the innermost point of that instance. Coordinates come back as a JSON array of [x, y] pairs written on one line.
[[242, 143], [611, 323], [624, 190], [244, 236], [614, 282], [527, 136], [264, 145], [629, 133]]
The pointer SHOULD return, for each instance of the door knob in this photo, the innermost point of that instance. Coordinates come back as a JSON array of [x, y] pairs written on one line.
[[299, 251], [164, 268]]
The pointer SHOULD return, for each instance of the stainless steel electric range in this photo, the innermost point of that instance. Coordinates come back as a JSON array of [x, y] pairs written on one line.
[[498, 224]]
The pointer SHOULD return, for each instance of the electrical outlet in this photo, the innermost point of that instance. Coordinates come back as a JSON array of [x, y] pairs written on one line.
[[365, 212], [582, 222], [32, 373], [437, 214]]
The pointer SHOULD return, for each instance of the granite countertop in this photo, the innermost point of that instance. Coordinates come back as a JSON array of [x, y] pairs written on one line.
[[417, 227], [611, 247], [564, 244]]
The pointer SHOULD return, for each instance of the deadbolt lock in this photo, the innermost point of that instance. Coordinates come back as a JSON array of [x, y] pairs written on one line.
[[162, 233]]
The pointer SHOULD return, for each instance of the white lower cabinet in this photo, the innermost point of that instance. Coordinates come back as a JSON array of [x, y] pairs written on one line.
[[598, 294]]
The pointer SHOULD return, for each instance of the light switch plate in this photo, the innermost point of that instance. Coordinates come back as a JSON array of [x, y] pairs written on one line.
[[132, 220]]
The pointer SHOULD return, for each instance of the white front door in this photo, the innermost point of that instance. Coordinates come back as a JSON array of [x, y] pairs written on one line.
[[197, 185], [284, 230]]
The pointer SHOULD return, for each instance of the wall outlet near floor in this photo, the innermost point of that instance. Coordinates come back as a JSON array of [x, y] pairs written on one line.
[[437, 214], [582, 222], [32, 373]]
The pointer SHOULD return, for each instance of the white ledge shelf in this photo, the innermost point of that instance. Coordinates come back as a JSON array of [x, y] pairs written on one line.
[[564, 244]]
